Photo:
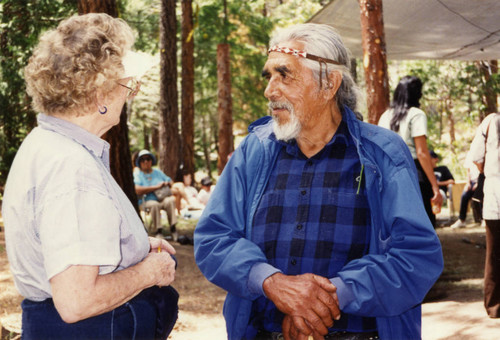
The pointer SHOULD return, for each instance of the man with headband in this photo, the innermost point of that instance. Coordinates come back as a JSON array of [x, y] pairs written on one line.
[[316, 227]]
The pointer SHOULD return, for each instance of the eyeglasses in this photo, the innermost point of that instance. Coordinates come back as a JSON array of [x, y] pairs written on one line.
[[143, 159], [133, 87]]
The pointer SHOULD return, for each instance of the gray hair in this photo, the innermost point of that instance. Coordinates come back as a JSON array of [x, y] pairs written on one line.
[[325, 42]]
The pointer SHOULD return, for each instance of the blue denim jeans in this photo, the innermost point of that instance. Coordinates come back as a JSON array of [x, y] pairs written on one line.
[[150, 315]]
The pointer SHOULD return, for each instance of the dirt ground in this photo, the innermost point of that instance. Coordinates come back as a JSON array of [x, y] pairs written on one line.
[[452, 310]]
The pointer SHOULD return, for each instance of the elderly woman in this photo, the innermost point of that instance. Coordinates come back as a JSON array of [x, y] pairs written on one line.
[[78, 251]]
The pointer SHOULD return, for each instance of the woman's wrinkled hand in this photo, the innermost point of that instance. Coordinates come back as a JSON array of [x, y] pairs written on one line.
[[159, 244], [161, 268]]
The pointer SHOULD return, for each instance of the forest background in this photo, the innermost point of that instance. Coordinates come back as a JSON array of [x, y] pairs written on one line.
[[453, 96]]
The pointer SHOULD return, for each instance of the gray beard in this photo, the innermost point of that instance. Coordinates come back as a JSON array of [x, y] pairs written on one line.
[[289, 130]]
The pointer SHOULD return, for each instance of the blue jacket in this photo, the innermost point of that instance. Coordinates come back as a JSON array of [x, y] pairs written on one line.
[[389, 283]]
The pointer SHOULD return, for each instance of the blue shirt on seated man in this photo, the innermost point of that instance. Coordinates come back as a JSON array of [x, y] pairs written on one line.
[[316, 227], [147, 180]]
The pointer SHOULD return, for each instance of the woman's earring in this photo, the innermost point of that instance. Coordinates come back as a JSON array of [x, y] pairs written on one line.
[[103, 111]]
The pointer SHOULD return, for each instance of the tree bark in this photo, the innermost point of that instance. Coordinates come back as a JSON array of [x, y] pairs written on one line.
[[187, 84], [98, 6], [451, 121], [206, 144], [169, 144], [489, 68], [225, 106], [374, 58], [155, 138], [120, 157], [146, 137]]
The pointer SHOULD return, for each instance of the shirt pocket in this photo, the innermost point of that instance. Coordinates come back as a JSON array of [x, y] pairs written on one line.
[[345, 225], [343, 211]]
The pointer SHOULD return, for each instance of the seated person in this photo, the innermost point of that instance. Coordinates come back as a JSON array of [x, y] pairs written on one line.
[[467, 193], [192, 193], [147, 180], [205, 191], [188, 186], [443, 175], [191, 208]]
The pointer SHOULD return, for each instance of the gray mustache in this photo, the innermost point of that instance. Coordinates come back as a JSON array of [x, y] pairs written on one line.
[[280, 105]]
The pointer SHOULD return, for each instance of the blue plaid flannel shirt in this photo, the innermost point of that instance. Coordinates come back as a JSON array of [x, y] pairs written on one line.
[[313, 218]]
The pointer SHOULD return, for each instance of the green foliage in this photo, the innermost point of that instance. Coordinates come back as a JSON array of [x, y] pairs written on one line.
[[291, 12], [452, 100], [21, 23], [246, 30], [453, 91], [143, 16]]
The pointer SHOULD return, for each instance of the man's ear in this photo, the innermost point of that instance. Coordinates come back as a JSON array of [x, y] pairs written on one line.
[[332, 84], [334, 80]]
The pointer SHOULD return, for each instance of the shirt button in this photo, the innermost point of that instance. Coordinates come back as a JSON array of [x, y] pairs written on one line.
[[294, 262], [309, 163], [299, 227], [303, 192]]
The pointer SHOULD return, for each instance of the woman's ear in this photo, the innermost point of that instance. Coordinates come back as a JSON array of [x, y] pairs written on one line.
[[99, 100]]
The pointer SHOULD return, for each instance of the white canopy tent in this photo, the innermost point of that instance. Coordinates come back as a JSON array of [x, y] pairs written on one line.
[[424, 29]]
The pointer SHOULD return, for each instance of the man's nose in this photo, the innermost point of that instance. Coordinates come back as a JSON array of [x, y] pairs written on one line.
[[272, 91]]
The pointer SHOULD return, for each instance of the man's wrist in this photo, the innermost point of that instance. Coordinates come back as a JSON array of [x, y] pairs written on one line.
[[269, 282], [344, 293], [258, 274]]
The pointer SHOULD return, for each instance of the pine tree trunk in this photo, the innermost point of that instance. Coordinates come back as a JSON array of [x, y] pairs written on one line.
[[374, 58], [98, 6], [146, 137], [187, 83], [169, 144], [451, 122], [225, 107], [117, 136], [155, 138], [489, 68], [206, 144]]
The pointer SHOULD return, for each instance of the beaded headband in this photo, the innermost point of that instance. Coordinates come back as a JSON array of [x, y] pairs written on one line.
[[302, 54]]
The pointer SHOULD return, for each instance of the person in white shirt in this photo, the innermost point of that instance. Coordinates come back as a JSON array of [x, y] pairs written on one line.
[[192, 208], [405, 118], [191, 191], [485, 153], [76, 246], [205, 191]]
